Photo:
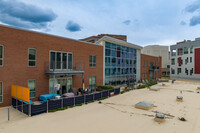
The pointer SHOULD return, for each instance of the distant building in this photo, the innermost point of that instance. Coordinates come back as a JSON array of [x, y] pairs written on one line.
[[150, 67], [185, 60], [158, 50], [121, 58]]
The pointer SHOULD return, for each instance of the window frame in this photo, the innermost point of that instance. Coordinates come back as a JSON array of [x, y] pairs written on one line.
[[61, 52], [92, 86], [35, 57], [94, 64], [2, 56], [1, 82], [30, 89]]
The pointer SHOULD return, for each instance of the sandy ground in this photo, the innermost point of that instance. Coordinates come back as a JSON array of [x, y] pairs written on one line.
[[118, 114]]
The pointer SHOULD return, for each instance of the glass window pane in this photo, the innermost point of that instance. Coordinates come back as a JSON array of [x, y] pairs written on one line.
[[32, 54], [64, 61], [1, 88], [1, 51], [1, 62], [1, 98], [69, 61], [31, 85], [32, 94], [94, 59], [52, 60], [58, 60], [108, 45], [32, 63]]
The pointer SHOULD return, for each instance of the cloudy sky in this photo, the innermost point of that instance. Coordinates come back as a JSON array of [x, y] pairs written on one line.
[[145, 22]]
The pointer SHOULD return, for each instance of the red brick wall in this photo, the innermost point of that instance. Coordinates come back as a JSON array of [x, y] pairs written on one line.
[[16, 71], [145, 67], [197, 61]]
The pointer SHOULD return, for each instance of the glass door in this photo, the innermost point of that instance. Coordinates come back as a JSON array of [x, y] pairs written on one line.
[[69, 84]]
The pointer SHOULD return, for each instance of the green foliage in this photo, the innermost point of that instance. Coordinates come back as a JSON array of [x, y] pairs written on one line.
[[54, 110], [105, 87], [71, 106], [91, 101], [102, 98], [79, 104]]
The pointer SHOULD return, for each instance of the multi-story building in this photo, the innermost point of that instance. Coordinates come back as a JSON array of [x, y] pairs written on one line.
[[39, 61], [158, 50], [151, 67], [185, 60], [121, 59]]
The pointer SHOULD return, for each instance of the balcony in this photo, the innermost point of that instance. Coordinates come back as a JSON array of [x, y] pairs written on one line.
[[63, 68]]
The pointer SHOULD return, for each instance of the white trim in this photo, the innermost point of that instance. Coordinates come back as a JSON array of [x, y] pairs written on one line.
[[30, 89], [2, 55], [50, 35], [2, 91], [35, 57], [119, 42]]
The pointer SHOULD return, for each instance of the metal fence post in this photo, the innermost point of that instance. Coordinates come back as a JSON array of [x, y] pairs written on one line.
[[29, 109], [74, 101], [47, 106], [8, 114], [62, 103]]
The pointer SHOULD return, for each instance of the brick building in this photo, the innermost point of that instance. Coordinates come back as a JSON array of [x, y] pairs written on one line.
[[151, 67], [30, 59]]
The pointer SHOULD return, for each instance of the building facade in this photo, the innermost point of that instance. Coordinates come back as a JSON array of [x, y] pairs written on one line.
[[185, 60], [39, 61], [151, 67], [121, 59], [158, 50]]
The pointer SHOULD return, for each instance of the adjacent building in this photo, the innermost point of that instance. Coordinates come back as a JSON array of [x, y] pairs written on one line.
[[121, 59], [151, 67], [39, 61], [158, 50], [185, 60]]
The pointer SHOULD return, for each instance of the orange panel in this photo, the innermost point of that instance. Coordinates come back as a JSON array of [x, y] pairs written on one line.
[[14, 91], [26, 94], [19, 92]]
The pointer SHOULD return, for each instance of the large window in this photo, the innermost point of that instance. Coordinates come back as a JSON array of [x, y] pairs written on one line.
[[1, 92], [178, 70], [191, 50], [92, 82], [32, 86], [1, 55], [61, 60], [92, 60], [185, 50], [172, 61], [180, 51], [31, 57]]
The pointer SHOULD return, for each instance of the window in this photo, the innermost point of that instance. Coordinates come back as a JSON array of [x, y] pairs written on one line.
[[92, 82], [185, 50], [172, 61], [1, 92], [32, 86], [186, 71], [168, 66], [172, 71], [191, 71], [1, 55], [190, 59], [191, 50], [92, 60], [61, 60], [32, 57], [178, 70], [180, 51], [186, 60], [173, 52]]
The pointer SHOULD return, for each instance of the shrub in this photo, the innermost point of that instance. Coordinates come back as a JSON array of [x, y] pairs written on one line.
[[91, 101], [105, 87], [79, 104], [102, 98]]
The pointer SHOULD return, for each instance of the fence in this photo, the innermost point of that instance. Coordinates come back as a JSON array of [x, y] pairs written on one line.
[[32, 110]]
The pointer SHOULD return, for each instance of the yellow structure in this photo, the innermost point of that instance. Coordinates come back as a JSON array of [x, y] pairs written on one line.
[[20, 93]]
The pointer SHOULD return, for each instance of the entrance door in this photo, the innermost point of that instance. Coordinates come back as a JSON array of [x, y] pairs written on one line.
[[65, 85]]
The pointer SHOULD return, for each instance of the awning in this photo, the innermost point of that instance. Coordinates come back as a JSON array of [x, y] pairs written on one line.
[[64, 72]]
